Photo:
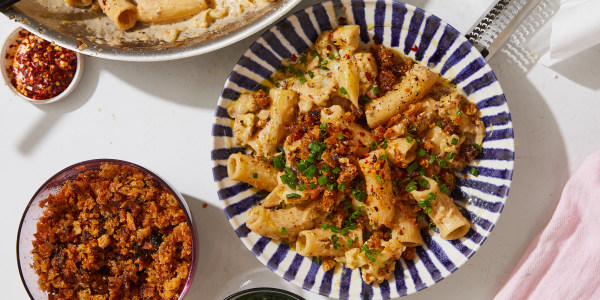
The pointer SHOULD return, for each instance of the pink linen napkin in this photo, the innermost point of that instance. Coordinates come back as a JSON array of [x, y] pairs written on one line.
[[563, 262]]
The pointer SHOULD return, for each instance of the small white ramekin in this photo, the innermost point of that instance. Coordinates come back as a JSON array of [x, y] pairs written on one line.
[[6, 61]]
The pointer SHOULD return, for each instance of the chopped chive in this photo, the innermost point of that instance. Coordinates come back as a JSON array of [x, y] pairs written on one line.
[[443, 188], [293, 195], [303, 58], [301, 187], [310, 74], [477, 146], [364, 100], [341, 137], [459, 113], [312, 185], [409, 139], [438, 124], [431, 196], [336, 170], [454, 141], [451, 155], [411, 186], [384, 144], [342, 186], [325, 226], [421, 152], [325, 168], [322, 180], [379, 179], [314, 53], [432, 159], [373, 145], [317, 260], [412, 167], [331, 186], [331, 56], [443, 163], [474, 172], [385, 156], [283, 230], [375, 90], [412, 128], [424, 183], [302, 80], [254, 175], [343, 91]]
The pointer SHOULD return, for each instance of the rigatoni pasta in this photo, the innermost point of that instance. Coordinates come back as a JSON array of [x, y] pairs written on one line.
[[366, 143]]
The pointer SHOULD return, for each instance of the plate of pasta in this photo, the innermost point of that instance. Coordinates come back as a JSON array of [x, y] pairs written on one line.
[[146, 30], [362, 149]]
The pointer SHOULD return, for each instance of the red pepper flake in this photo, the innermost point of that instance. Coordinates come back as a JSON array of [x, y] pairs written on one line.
[[204, 205], [368, 75], [328, 48], [362, 134], [330, 36], [415, 48], [437, 84], [294, 57], [347, 56], [40, 69], [366, 155]]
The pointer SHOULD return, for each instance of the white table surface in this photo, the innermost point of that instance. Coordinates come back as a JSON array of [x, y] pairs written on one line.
[[159, 115]]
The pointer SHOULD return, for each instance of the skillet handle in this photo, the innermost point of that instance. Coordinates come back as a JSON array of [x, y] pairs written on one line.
[[4, 4]]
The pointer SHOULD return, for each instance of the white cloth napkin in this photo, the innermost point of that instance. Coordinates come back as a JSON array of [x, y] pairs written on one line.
[[574, 28]]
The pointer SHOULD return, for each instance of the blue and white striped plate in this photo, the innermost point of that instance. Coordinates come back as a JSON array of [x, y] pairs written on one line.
[[427, 39]]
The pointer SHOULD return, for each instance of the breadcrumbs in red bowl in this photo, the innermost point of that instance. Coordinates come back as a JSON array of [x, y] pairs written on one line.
[[106, 229]]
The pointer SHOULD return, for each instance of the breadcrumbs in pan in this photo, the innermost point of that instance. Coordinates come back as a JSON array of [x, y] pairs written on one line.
[[113, 233]]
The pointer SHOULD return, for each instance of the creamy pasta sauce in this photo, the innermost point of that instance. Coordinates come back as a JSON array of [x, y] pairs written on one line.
[[99, 28]]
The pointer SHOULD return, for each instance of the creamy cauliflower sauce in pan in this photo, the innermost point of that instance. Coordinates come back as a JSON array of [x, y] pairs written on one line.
[[209, 19]]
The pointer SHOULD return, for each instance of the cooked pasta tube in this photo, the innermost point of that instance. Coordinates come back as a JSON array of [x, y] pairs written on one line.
[[281, 223], [415, 85], [401, 151], [78, 3], [380, 195], [250, 170], [406, 230], [155, 11], [121, 12], [321, 242], [282, 111], [444, 213]]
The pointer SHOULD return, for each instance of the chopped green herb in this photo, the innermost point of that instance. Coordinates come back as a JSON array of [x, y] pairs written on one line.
[[477, 146], [349, 242], [431, 226], [412, 167], [343, 91], [279, 162], [324, 168], [421, 152], [323, 63], [443, 163], [432, 159], [331, 56], [385, 156], [323, 128], [302, 80], [451, 155], [341, 137], [301, 187], [293, 196], [342, 186], [322, 180], [423, 183], [310, 172], [317, 260], [264, 159], [254, 175], [359, 194], [325, 226], [314, 53], [380, 180], [443, 188], [459, 113], [310, 74], [334, 238], [409, 139], [283, 230], [373, 145], [336, 246], [299, 73], [438, 124], [312, 185], [375, 90], [421, 171], [336, 170], [344, 231], [331, 186], [303, 58], [474, 172], [454, 141], [411, 186], [384, 144]]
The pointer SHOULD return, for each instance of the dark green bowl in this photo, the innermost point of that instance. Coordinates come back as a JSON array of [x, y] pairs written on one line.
[[264, 294]]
